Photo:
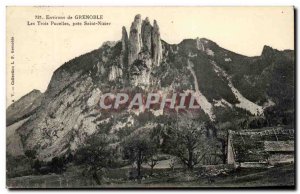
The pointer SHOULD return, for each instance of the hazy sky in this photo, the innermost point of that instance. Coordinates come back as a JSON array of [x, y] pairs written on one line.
[[39, 50]]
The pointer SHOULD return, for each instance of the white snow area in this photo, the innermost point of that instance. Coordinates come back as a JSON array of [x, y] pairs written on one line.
[[200, 98], [244, 102]]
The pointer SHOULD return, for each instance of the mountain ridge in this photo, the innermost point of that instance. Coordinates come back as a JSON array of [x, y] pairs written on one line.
[[67, 113]]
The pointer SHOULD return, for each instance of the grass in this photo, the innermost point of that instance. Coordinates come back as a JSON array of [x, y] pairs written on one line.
[[163, 178]]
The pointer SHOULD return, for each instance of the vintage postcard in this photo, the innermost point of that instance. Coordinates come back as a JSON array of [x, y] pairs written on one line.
[[150, 97]]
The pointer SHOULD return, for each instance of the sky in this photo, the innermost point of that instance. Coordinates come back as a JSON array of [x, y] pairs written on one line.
[[40, 50]]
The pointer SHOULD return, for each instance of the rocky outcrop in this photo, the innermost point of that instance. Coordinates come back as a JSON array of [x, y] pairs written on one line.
[[115, 73], [124, 53], [199, 44], [144, 50], [144, 38], [146, 35], [268, 52], [135, 39], [24, 107], [156, 44], [60, 120]]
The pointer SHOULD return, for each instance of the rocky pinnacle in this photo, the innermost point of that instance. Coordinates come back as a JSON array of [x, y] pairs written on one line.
[[156, 44], [143, 37], [124, 57], [135, 39], [146, 35]]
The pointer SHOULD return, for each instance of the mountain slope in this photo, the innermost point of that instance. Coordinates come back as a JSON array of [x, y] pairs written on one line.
[[223, 81], [23, 107]]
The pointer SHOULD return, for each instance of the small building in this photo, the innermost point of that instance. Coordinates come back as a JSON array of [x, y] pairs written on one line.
[[280, 151], [257, 148]]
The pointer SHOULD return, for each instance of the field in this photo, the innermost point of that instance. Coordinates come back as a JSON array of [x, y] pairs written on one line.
[[163, 178]]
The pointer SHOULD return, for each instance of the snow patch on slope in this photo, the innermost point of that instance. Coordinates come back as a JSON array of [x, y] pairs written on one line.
[[244, 102], [200, 98]]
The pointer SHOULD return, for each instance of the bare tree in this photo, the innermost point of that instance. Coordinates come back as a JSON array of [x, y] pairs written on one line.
[[138, 149], [172, 163], [95, 154], [152, 162], [187, 140]]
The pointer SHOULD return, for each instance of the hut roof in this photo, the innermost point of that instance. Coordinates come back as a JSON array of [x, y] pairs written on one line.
[[279, 146]]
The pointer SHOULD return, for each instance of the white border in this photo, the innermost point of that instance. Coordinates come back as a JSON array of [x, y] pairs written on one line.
[[5, 3]]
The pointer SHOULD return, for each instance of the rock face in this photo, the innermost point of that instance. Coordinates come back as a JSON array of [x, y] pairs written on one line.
[[144, 38], [156, 44], [124, 54], [144, 50], [146, 35], [268, 52], [115, 73], [57, 122], [199, 44], [24, 107], [135, 39], [205, 45]]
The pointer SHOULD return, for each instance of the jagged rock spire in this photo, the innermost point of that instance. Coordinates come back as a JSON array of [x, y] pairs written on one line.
[[135, 39], [124, 38], [143, 37], [124, 57], [156, 44], [146, 35]]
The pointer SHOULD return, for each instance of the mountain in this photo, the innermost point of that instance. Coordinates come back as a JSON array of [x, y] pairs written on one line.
[[24, 107], [230, 88]]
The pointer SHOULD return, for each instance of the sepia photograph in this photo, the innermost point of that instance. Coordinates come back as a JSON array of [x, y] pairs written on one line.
[[150, 97]]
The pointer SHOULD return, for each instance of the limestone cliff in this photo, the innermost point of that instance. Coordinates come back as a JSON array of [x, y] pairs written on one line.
[[144, 50], [144, 38], [124, 57], [156, 44], [146, 35], [135, 39], [61, 119]]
